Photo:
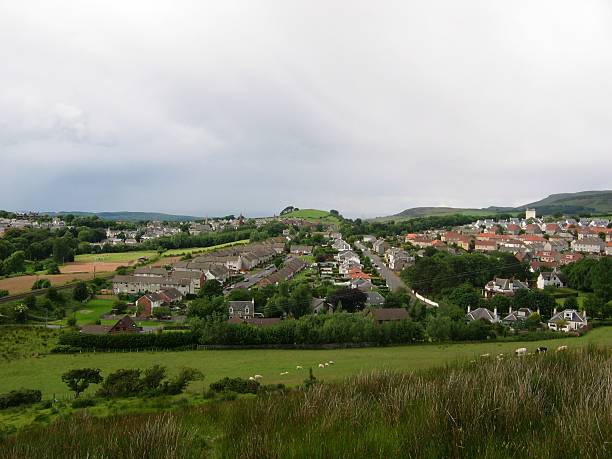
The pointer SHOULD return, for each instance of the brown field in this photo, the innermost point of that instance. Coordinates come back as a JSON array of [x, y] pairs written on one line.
[[98, 267], [23, 284], [165, 261]]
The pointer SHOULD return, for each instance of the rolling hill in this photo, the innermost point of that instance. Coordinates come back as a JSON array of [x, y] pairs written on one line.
[[583, 202], [130, 216], [314, 215]]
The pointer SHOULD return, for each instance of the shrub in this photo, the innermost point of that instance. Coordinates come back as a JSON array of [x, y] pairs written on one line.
[[19, 397], [41, 283], [82, 402], [3, 293], [237, 385]]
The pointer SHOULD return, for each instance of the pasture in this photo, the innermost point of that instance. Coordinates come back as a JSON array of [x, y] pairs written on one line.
[[44, 372], [200, 250], [119, 257], [314, 215]]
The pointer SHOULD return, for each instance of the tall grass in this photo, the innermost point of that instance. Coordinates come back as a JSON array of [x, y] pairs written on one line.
[[552, 406]]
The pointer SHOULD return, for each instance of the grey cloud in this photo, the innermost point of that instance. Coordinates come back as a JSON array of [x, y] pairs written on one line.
[[245, 106]]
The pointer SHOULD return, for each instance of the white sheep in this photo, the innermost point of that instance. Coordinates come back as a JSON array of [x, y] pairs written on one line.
[[326, 364], [562, 348], [484, 355], [521, 351], [283, 373], [321, 365], [258, 376], [251, 379], [331, 362], [299, 367]]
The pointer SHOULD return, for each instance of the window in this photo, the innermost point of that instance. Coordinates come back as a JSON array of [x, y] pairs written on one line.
[[246, 310]]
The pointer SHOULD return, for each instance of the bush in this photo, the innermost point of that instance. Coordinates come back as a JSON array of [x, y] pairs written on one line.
[[3, 293], [82, 402], [237, 385], [19, 397], [41, 283], [166, 340]]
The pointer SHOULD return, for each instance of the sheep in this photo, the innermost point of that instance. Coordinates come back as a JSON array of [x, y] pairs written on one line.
[[562, 348], [542, 350], [251, 378], [321, 365], [331, 362], [485, 355], [299, 367], [283, 373], [326, 364], [521, 351], [258, 376]]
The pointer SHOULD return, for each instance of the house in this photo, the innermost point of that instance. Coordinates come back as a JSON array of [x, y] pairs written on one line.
[[149, 302], [553, 278], [609, 248], [397, 259], [514, 317], [347, 255], [341, 245], [357, 273], [589, 245], [241, 309], [500, 286], [301, 249], [364, 285], [123, 325], [374, 298], [485, 246], [320, 306], [381, 315], [380, 246], [567, 320], [369, 238], [567, 258], [482, 314]]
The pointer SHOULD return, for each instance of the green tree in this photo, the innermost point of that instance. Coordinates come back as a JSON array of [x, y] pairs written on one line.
[[211, 288], [300, 300], [62, 250], [52, 268], [81, 292], [15, 263], [570, 303], [79, 379]]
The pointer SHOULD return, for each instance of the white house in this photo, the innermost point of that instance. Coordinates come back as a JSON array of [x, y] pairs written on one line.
[[550, 278], [589, 245], [341, 245], [567, 320], [482, 313]]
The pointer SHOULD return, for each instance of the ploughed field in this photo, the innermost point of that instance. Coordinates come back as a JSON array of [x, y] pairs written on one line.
[[555, 405], [23, 284], [44, 371]]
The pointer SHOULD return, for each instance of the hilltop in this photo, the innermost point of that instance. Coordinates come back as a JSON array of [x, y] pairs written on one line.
[[314, 215], [583, 202]]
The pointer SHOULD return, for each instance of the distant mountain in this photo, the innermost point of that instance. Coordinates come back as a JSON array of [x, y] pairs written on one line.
[[583, 202], [130, 216]]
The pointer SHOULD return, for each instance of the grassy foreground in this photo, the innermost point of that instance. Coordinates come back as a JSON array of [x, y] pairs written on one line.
[[44, 371], [540, 406]]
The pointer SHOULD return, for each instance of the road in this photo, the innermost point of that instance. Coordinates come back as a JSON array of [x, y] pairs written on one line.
[[393, 280]]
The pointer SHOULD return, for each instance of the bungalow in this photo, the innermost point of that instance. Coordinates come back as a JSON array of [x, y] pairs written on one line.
[[567, 320], [369, 238], [553, 278], [341, 246], [364, 285], [514, 317], [374, 298], [609, 248], [381, 315], [500, 286], [589, 245], [320, 306], [123, 325], [241, 309], [482, 314], [568, 258]]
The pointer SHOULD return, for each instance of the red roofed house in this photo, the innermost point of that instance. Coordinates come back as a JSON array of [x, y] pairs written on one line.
[[123, 325], [356, 273]]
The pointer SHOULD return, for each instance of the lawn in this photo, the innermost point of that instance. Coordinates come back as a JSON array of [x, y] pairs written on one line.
[[90, 312], [44, 372], [119, 257], [194, 250]]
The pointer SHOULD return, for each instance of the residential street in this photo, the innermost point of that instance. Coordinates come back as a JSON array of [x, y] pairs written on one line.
[[393, 280]]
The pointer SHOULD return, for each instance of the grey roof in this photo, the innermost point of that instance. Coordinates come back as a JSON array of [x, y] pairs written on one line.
[[481, 313], [374, 298], [575, 316], [518, 315]]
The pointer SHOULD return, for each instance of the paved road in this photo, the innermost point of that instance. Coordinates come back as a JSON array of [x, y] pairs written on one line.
[[393, 280]]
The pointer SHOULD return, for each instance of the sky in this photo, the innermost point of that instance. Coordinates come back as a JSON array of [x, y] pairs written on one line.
[[207, 108]]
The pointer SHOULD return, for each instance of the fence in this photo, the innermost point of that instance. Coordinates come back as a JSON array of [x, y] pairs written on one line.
[[425, 300]]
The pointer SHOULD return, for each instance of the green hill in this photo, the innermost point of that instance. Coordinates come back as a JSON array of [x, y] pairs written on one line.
[[130, 216], [313, 215], [583, 202]]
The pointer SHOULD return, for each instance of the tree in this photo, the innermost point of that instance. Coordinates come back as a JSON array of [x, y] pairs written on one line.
[[62, 250], [207, 307], [15, 263], [533, 321], [570, 303], [162, 312], [352, 299], [300, 300], [41, 283], [52, 268], [465, 295], [120, 306], [439, 328], [79, 379], [211, 288], [81, 293]]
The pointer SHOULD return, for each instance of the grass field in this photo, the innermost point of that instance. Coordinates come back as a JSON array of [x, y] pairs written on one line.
[[119, 257], [313, 215], [198, 250], [45, 372]]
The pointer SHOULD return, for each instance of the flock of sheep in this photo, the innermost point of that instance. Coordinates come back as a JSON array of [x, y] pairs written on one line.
[[285, 373]]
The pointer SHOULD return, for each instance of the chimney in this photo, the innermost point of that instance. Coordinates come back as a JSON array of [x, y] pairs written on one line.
[[469, 309], [554, 311], [510, 312], [539, 311], [495, 313]]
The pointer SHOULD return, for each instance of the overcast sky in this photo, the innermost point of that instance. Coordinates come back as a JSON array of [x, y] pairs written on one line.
[[209, 108]]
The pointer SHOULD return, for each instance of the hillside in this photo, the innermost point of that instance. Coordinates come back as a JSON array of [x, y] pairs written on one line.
[[313, 215], [131, 216], [583, 202]]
